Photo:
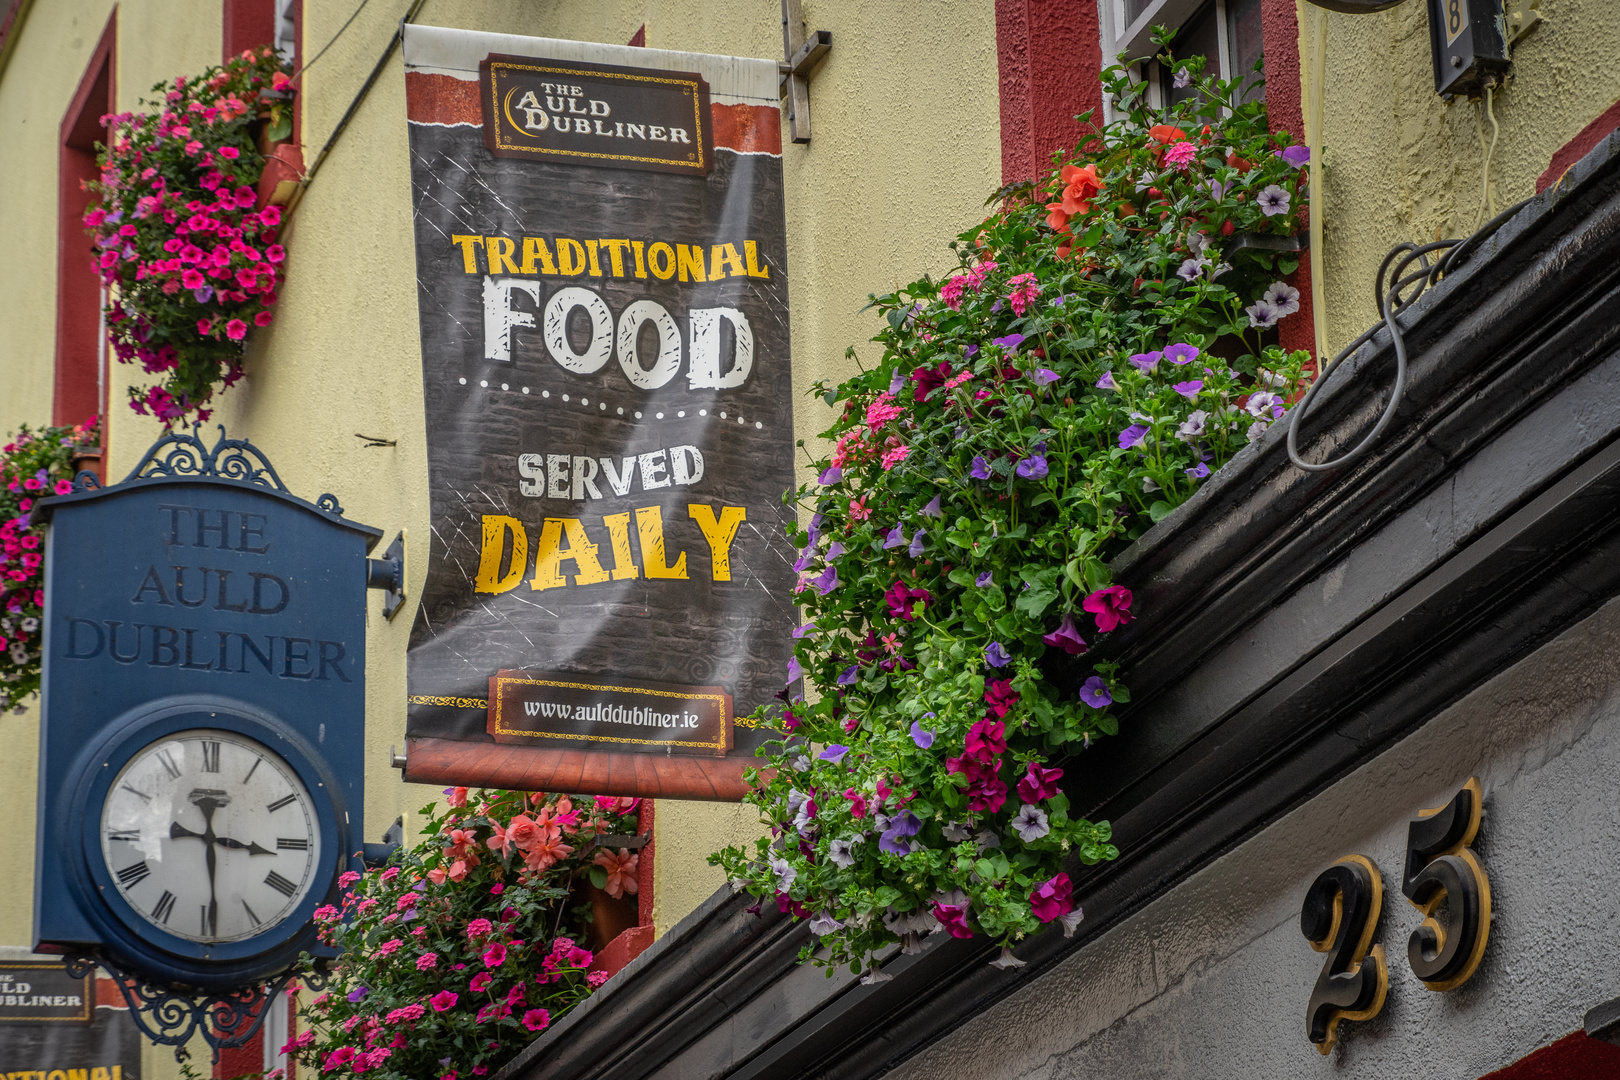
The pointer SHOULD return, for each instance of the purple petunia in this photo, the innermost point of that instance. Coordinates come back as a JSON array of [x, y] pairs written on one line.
[[834, 753], [996, 655], [1107, 381], [895, 539], [1044, 376], [795, 670], [1009, 343], [830, 475], [1181, 354], [981, 468], [921, 735], [807, 628], [1273, 200], [1095, 693], [1146, 361], [1189, 390], [1296, 156], [897, 383], [826, 581], [1032, 468], [932, 509], [916, 548], [984, 580], [848, 676], [1199, 471], [1135, 435], [834, 550]]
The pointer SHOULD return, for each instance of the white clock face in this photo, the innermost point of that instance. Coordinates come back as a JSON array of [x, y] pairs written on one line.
[[210, 836]]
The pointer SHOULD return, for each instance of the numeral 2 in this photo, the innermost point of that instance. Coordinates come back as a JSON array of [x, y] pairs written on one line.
[[1439, 867], [1340, 914]]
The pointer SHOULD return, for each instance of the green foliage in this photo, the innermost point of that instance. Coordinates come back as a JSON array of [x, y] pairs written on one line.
[[33, 465], [464, 948], [1100, 349]]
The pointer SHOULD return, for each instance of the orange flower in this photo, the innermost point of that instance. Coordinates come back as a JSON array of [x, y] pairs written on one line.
[[1081, 185], [546, 852], [524, 832], [621, 871], [1058, 219], [1166, 134]]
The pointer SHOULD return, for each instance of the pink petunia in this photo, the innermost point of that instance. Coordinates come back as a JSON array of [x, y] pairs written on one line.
[[444, 999], [537, 1019], [236, 329]]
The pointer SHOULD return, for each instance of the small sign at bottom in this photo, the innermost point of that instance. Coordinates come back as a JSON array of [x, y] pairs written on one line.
[[566, 711]]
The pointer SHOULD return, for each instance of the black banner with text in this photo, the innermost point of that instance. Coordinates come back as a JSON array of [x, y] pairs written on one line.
[[606, 370]]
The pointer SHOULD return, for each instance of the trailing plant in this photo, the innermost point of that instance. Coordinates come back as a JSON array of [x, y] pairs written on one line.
[[190, 262], [33, 465], [1101, 348], [465, 946]]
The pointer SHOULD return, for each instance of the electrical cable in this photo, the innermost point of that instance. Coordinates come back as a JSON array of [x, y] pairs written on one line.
[[1401, 292], [365, 88], [1487, 201], [329, 44]]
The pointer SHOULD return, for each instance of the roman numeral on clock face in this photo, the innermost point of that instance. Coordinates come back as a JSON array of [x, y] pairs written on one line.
[[169, 764], [285, 800], [164, 908], [210, 751], [134, 874], [280, 884], [284, 843]]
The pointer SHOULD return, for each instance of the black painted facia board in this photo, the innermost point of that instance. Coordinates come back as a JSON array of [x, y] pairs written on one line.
[[198, 610], [1485, 523]]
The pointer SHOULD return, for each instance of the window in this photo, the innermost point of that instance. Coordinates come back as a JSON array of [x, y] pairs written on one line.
[[81, 340], [1227, 33]]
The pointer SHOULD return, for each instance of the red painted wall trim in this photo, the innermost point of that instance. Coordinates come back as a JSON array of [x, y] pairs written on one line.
[[1049, 59], [247, 24], [1574, 1057], [1279, 30], [77, 393], [1578, 147]]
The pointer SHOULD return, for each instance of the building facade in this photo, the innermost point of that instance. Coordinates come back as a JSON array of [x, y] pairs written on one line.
[[1192, 962]]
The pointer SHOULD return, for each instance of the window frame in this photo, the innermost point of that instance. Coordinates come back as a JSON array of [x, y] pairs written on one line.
[[81, 379], [1136, 41]]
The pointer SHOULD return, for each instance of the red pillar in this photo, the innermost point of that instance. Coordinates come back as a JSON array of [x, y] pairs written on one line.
[[1050, 61]]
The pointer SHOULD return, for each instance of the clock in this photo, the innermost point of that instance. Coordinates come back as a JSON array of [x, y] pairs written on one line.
[[204, 831], [210, 836]]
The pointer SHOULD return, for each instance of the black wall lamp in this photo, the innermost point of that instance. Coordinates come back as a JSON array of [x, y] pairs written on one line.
[[1467, 38]]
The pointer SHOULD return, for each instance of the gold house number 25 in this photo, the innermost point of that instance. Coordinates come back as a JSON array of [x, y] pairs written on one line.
[[1342, 906]]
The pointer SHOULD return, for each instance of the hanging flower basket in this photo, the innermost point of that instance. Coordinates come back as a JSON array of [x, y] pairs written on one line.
[[186, 247]]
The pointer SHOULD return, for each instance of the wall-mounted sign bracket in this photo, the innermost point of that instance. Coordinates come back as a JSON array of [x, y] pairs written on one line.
[[388, 574], [1468, 38], [803, 54], [172, 1015]]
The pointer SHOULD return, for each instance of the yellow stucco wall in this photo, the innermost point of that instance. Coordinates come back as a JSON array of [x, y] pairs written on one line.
[[897, 168], [1402, 164]]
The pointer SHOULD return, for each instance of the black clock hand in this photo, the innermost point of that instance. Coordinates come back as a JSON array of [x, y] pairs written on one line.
[[237, 845], [178, 830], [208, 802]]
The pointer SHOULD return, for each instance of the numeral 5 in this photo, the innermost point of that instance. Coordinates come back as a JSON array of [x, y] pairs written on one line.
[[1439, 867], [1339, 917]]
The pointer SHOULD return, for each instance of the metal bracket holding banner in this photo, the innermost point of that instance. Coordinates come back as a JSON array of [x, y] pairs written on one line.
[[803, 54]]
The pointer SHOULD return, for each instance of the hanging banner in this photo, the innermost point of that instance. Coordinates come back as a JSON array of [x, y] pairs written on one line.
[[602, 283], [53, 1028]]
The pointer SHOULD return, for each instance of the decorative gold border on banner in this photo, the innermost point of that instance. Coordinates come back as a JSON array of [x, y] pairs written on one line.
[[501, 728], [86, 996], [448, 702], [699, 165]]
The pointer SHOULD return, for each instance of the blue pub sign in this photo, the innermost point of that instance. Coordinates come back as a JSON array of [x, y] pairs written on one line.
[[201, 773]]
